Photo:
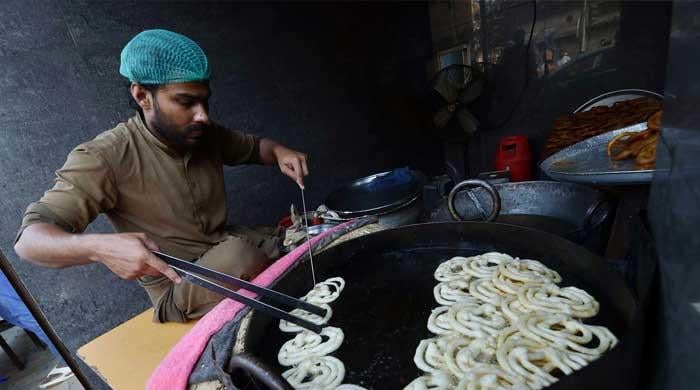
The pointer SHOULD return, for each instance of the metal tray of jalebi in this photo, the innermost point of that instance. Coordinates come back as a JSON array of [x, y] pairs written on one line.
[[587, 162]]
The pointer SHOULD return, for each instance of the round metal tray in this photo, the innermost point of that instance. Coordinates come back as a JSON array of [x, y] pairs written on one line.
[[610, 98], [587, 162]]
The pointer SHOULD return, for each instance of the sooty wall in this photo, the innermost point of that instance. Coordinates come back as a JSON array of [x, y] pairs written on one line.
[[339, 82]]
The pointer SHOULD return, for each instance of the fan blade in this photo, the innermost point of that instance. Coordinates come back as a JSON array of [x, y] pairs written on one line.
[[446, 88], [443, 116], [472, 92], [469, 75], [468, 122]]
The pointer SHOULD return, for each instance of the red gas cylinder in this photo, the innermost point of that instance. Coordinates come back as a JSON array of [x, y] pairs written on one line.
[[514, 155]]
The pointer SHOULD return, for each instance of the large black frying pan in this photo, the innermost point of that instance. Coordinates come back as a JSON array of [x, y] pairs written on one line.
[[389, 294]]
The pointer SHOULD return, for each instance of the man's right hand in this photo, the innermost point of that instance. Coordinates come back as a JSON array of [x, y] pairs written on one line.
[[130, 256]]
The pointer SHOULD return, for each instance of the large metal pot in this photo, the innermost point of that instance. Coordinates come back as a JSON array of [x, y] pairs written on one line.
[[579, 213], [389, 295]]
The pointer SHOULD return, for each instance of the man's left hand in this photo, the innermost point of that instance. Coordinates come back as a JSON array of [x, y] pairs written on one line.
[[292, 164]]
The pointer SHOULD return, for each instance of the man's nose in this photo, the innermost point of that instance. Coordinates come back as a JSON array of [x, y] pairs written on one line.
[[201, 115]]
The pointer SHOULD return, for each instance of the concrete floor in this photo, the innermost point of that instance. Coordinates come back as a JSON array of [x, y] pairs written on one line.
[[38, 364]]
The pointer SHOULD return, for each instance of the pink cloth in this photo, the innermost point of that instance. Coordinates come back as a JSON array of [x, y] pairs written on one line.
[[174, 371]]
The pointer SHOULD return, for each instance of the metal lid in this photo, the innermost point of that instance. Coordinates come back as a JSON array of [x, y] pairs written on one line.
[[376, 194]]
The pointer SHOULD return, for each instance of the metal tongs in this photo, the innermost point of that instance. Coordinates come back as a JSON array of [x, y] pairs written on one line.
[[196, 274]]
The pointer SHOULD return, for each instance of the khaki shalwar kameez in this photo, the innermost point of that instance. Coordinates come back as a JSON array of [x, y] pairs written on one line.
[[178, 201]]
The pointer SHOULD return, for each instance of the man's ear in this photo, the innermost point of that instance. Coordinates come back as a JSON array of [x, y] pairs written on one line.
[[142, 96]]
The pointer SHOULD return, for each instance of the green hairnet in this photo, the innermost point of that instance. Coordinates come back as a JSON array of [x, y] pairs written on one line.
[[162, 57]]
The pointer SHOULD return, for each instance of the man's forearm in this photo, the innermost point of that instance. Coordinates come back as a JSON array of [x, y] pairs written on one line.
[[49, 245], [267, 151], [128, 255]]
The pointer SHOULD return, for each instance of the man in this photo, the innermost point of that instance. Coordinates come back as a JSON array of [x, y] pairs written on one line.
[[159, 179]]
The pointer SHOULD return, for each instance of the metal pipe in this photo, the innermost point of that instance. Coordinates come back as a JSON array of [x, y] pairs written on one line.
[[484, 37], [585, 25]]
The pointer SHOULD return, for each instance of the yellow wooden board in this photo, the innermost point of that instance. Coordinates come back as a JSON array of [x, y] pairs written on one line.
[[126, 356]]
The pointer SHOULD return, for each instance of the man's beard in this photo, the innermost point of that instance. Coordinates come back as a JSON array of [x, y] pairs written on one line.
[[175, 137]]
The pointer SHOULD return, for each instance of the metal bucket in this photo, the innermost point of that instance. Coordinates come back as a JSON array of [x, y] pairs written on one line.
[[578, 213]]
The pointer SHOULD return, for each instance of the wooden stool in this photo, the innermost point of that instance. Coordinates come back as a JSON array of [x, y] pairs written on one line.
[[126, 356]]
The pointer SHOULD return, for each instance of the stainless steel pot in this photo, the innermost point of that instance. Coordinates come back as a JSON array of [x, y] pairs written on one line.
[[579, 213]]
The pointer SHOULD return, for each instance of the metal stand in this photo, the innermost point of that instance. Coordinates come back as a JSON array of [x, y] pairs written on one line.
[[631, 200], [8, 350], [35, 340], [33, 307]]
